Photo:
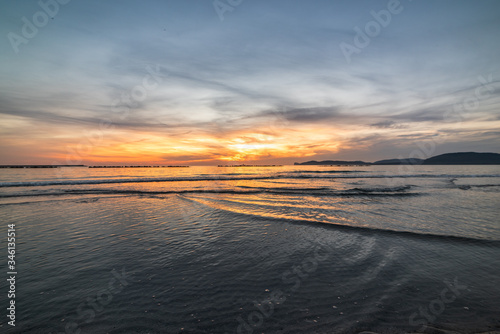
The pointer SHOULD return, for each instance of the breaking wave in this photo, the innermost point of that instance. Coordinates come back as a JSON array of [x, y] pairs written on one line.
[[232, 178], [397, 191]]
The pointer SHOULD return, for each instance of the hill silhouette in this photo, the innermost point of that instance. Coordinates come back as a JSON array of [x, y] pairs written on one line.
[[457, 158], [464, 158]]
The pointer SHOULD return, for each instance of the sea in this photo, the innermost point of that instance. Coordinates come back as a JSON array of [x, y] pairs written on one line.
[[281, 249]]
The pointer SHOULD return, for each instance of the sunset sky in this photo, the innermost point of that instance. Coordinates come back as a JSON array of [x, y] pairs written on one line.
[[254, 81]]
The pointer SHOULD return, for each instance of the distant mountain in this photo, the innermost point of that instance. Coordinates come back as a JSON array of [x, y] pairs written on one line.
[[459, 158], [464, 158], [332, 162], [412, 161]]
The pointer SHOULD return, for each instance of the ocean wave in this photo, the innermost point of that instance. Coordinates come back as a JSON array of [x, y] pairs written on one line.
[[124, 180], [230, 178], [325, 190], [362, 229], [397, 191], [324, 171], [469, 186], [381, 190], [286, 188]]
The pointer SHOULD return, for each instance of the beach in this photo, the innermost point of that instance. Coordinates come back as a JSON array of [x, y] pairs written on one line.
[[278, 249]]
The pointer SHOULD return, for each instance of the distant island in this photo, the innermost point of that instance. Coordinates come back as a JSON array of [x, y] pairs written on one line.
[[458, 158], [249, 165], [464, 158], [39, 166], [335, 163], [412, 161], [58, 166], [141, 166]]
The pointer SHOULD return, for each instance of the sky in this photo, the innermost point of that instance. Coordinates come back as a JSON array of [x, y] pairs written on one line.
[[201, 82]]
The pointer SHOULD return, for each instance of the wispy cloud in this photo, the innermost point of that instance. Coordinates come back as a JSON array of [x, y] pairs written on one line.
[[267, 83]]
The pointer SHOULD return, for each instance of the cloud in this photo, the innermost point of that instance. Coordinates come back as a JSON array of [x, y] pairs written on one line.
[[311, 114], [302, 115], [387, 125]]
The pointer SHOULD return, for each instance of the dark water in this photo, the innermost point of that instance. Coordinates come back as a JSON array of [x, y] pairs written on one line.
[[294, 249]]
